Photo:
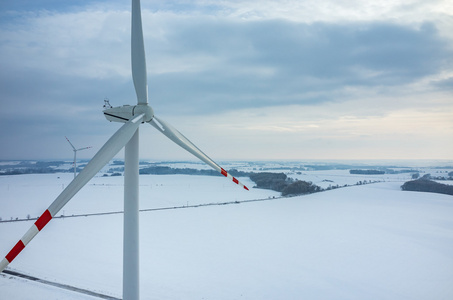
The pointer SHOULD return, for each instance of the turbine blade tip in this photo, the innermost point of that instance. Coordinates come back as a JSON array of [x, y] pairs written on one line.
[[3, 264]]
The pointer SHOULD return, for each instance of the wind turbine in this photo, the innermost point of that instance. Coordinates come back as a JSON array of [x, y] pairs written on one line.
[[75, 154], [127, 136]]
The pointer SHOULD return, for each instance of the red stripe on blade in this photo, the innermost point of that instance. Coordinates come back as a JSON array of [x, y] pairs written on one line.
[[246, 188], [16, 250], [43, 220], [235, 180], [224, 173]]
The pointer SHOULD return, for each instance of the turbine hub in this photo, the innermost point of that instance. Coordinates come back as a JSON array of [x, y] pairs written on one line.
[[124, 113], [144, 109]]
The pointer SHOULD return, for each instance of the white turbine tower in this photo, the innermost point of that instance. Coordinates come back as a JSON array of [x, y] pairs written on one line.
[[127, 136], [75, 154]]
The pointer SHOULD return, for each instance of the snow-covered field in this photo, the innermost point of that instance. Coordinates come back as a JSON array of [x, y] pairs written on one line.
[[369, 241]]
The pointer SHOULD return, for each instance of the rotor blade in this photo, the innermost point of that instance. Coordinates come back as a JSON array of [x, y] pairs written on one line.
[[70, 143], [138, 55], [177, 137], [84, 148], [110, 149]]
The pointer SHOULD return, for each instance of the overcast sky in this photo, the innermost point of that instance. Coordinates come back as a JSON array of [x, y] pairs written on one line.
[[247, 79]]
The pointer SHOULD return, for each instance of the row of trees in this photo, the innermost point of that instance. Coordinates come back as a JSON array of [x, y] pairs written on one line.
[[40, 167], [272, 181], [366, 172], [281, 183], [430, 177], [164, 170], [423, 185]]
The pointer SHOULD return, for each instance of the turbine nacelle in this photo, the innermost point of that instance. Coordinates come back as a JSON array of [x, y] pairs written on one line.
[[124, 113]]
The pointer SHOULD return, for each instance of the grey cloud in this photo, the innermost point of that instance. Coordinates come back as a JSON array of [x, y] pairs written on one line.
[[242, 64], [310, 63], [445, 84], [44, 104]]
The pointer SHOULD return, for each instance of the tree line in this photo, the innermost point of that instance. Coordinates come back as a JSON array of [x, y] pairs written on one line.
[[424, 185], [281, 183], [164, 170], [366, 172]]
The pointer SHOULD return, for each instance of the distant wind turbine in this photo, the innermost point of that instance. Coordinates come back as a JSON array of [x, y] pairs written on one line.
[[127, 136], [75, 154]]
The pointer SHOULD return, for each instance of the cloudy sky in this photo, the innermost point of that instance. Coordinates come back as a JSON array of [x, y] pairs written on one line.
[[247, 79]]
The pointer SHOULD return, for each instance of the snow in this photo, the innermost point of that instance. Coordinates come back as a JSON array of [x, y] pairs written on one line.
[[369, 241], [24, 195], [16, 288], [328, 178]]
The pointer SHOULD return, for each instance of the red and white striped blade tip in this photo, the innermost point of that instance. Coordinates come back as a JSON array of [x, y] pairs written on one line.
[[226, 174], [28, 236]]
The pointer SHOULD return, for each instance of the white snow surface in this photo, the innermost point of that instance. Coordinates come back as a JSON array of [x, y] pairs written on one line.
[[369, 241]]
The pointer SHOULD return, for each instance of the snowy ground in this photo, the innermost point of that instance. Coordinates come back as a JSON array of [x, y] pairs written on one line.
[[362, 242]]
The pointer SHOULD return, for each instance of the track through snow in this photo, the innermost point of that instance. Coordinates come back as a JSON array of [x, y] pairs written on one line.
[[145, 210], [59, 285], [363, 242]]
